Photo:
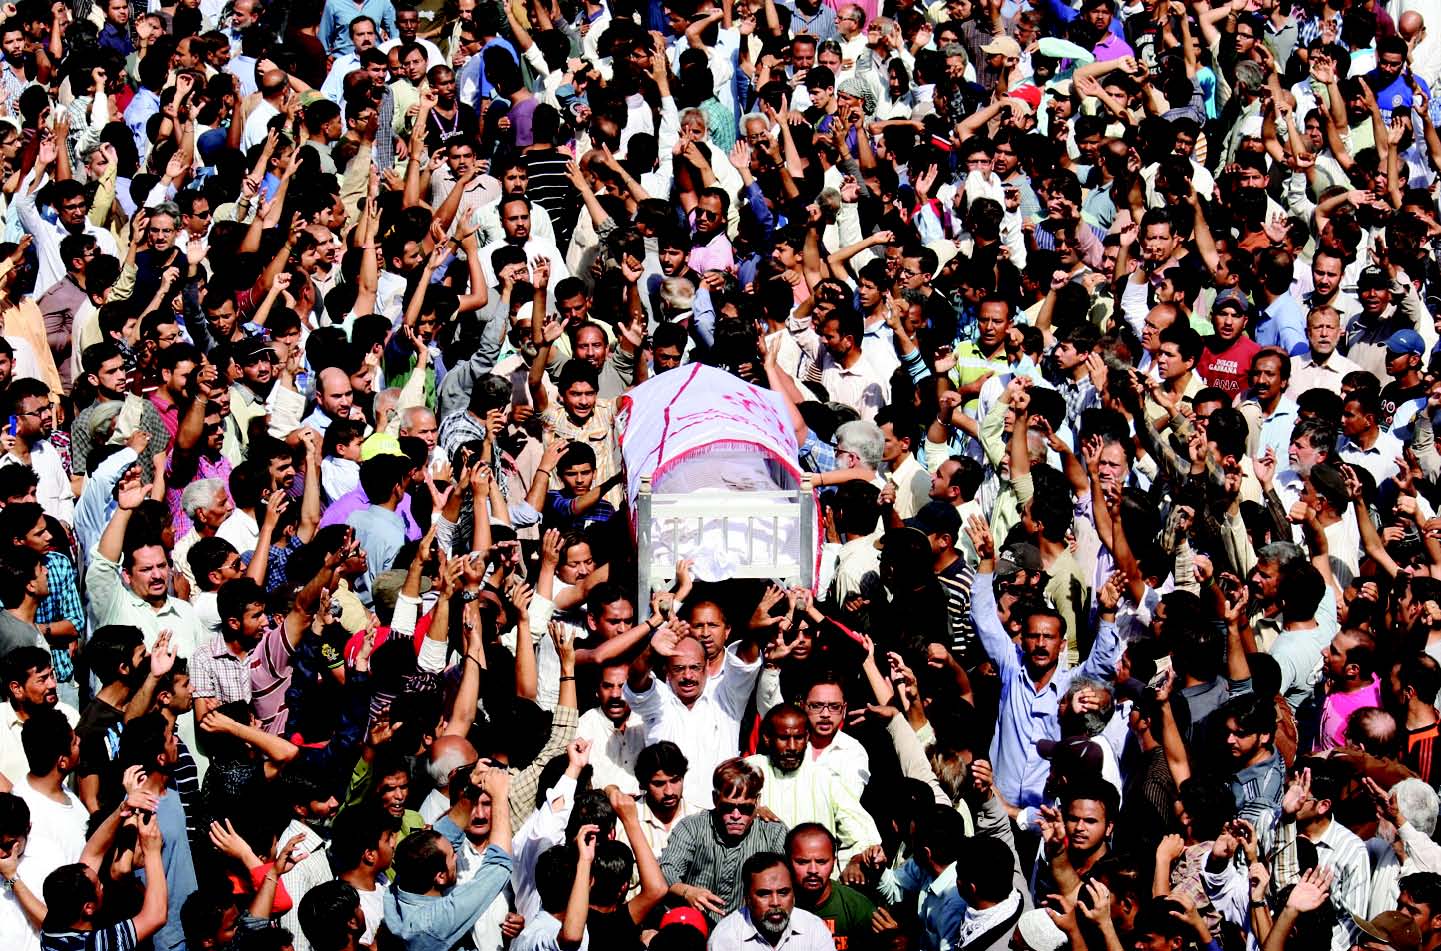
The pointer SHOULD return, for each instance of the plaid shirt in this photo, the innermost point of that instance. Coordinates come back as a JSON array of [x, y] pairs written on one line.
[[1310, 30], [61, 604], [217, 674]]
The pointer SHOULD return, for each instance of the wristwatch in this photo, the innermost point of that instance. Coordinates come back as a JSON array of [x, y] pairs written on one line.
[[7, 884], [468, 596]]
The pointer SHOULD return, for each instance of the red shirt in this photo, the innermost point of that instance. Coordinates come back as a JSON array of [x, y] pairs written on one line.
[[1228, 369]]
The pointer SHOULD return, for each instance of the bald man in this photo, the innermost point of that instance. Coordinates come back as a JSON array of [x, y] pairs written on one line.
[[334, 399], [447, 753], [1425, 48], [275, 92]]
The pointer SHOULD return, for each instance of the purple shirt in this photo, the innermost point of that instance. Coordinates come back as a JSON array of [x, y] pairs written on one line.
[[355, 500], [1111, 47], [1338, 709]]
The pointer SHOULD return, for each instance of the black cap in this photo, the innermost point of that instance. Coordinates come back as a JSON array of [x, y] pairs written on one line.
[[937, 518], [1373, 277]]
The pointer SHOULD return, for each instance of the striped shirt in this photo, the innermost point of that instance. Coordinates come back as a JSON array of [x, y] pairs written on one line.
[[116, 937], [1420, 753], [696, 855], [549, 186]]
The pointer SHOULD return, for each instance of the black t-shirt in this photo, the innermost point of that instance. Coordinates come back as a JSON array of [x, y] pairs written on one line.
[[1394, 396], [99, 731], [613, 930]]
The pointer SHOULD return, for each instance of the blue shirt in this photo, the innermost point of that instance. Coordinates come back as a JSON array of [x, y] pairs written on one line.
[[179, 869], [381, 533], [440, 922], [138, 113], [1282, 325], [1028, 713], [334, 31]]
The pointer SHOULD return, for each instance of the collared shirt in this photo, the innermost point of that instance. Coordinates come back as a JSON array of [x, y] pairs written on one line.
[[112, 601], [708, 731], [939, 907], [1379, 460], [439, 922], [381, 532], [1307, 374], [307, 873], [54, 491], [1028, 714], [813, 793], [62, 604], [613, 751], [847, 758], [804, 932], [697, 855], [216, 673], [1342, 851], [913, 485], [1283, 325], [13, 764]]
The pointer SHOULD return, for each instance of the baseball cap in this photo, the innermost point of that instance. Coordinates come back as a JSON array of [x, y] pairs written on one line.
[[1073, 756], [1029, 93], [1231, 298], [685, 916], [252, 349], [385, 589], [1372, 276], [937, 518], [1022, 556], [1002, 46], [1406, 341], [379, 444], [1393, 928]]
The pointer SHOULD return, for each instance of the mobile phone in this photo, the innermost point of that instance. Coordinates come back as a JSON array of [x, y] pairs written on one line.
[[1163, 667], [13, 427]]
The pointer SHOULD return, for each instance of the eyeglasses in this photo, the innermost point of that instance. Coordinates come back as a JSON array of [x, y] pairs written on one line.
[[744, 808], [817, 706]]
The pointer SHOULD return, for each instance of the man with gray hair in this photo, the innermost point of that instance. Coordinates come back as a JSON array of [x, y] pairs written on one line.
[[447, 754], [1410, 807], [207, 503]]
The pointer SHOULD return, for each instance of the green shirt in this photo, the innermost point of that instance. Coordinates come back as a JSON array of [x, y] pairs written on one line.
[[847, 913]]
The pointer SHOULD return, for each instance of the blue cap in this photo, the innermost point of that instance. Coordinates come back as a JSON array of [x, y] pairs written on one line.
[[1406, 341]]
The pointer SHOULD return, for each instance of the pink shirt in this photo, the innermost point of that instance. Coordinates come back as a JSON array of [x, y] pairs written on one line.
[[1338, 709], [715, 255]]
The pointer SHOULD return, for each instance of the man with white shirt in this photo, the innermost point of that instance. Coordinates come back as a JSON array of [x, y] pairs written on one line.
[[1321, 367], [516, 227], [768, 916], [407, 28], [58, 818], [29, 686], [275, 94], [704, 723], [72, 208], [830, 746], [34, 416], [1364, 443], [616, 734], [833, 358], [1313, 441]]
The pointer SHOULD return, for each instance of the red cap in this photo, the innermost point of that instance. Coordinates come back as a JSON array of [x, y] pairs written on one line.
[[686, 916], [1029, 93]]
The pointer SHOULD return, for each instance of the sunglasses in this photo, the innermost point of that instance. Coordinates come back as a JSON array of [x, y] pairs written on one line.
[[744, 808]]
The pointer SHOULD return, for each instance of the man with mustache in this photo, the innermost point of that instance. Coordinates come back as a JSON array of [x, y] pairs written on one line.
[[770, 916], [799, 790], [811, 852], [703, 723], [616, 733]]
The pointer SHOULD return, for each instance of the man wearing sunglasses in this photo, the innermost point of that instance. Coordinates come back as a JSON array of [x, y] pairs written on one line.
[[704, 849]]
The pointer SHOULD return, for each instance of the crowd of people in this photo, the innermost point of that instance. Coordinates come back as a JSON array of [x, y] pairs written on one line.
[[1105, 332]]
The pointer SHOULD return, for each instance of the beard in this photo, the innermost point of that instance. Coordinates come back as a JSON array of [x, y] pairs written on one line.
[[773, 925]]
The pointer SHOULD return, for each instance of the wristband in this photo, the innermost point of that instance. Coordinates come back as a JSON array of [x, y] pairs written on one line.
[[564, 679]]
